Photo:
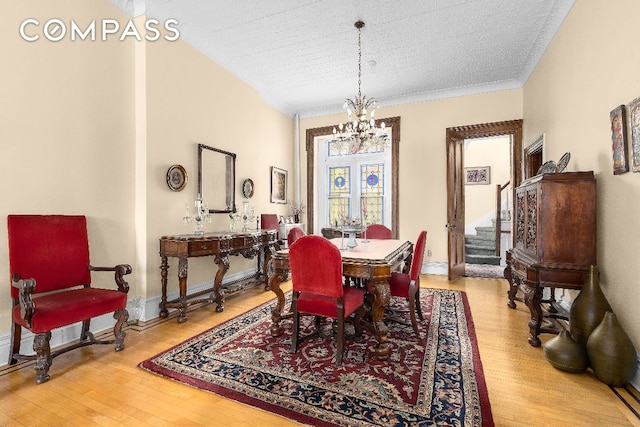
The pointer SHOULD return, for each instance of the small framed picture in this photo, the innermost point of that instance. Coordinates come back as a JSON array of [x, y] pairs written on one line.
[[477, 175], [633, 116], [619, 140], [278, 185]]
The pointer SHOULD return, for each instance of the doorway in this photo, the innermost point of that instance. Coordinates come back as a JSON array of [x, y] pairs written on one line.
[[455, 140]]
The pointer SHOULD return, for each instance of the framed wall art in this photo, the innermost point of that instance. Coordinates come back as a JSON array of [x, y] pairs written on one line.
[[278, 185], [477, 175], [633, 116], [619, 140]]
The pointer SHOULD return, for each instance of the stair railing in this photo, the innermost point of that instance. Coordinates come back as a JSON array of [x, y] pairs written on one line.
[[499, 189]]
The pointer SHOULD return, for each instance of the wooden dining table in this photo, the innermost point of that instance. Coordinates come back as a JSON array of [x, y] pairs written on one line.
[[371, 261]]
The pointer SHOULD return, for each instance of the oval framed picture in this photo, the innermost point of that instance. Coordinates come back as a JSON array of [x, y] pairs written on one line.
[[247, 188], [176, 178]]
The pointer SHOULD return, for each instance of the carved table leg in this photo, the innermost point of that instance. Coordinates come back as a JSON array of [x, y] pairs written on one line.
[[513, 285], [183, 267], [164, 268], [276, 277], [532, 298], [266, 254], [218, 294], [381, 298]]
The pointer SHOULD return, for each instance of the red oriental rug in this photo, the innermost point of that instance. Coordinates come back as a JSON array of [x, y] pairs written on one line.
[[436, 379]]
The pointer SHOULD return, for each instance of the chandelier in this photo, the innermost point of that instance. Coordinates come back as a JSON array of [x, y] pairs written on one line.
[[360, 133]]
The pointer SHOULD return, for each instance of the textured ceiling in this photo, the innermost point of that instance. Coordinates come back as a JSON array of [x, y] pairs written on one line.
[[301, 55]]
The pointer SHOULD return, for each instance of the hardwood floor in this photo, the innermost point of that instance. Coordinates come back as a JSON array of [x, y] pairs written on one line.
[[94, 386]]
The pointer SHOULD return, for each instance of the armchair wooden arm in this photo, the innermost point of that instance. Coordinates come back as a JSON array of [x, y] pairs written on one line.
[[120, 270], [25, 288]]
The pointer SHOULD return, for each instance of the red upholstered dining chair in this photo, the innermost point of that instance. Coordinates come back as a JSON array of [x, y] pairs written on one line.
[[316, 273], [269, 222], [378, 231], [51, 286], [294, 234], [407, 286]]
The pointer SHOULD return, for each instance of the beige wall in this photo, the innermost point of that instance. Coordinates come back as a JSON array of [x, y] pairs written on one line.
[[590, 68], [91, 127], [423, 180], [192, 100], [67, 132]]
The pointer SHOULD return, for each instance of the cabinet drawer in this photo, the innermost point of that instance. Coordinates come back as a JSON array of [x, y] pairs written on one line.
[[202, 248], [562, 278]]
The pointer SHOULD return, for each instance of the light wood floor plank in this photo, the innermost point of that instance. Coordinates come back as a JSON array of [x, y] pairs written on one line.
[[95, 386]]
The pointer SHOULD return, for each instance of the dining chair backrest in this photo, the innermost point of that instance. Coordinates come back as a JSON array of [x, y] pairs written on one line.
[[379, 231], [294, 234], [316, 266], [418, 256], [269, 222]]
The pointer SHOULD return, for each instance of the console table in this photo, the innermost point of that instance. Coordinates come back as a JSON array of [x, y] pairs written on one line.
[[220, 245]]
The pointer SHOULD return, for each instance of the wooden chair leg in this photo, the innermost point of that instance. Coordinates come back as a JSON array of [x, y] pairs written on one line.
[[340, 341], [41, 345], [121, 316], [296, 324], [340, 338], [418, 306], [16, 337], [84, 333], [412, 314]]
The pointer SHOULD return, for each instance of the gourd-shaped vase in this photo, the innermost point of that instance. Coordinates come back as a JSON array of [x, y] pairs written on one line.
[[588, 309], [565, 354], [611, 352]]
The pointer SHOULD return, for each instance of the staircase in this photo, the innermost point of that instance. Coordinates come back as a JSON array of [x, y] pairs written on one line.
[[481, 247]]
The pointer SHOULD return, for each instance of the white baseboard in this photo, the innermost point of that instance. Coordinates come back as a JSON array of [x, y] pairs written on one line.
[[139, 309]]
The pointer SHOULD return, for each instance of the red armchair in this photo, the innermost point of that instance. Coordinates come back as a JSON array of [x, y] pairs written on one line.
[[316, 273], [51, 286], [294, 234], [407, 286], [378, 231]]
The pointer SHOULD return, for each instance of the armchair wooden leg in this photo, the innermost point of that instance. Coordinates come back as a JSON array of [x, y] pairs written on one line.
[[121, 316], [43, 356], [16, 336], [84, 334]]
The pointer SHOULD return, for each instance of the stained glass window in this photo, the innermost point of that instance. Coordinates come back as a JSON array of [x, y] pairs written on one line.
[[372, 192], [339, 193]]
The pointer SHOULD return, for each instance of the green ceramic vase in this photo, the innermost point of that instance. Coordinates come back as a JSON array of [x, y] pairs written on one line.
[[588, 309], [611, 352], [565, 354]]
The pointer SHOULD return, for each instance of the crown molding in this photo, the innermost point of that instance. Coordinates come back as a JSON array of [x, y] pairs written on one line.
[[133, 8]]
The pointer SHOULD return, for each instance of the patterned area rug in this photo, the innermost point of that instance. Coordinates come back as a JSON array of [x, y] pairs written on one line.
[[435, 379]]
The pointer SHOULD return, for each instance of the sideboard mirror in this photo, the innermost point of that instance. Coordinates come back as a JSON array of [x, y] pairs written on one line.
[[217, 179]]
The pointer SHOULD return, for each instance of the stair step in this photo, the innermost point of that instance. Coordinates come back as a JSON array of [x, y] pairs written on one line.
[[479, 250], [482, 259], [471, 239], [488, 232]]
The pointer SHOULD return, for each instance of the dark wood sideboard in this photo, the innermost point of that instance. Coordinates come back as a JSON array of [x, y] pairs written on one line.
[[554, 243], [221, 245]]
